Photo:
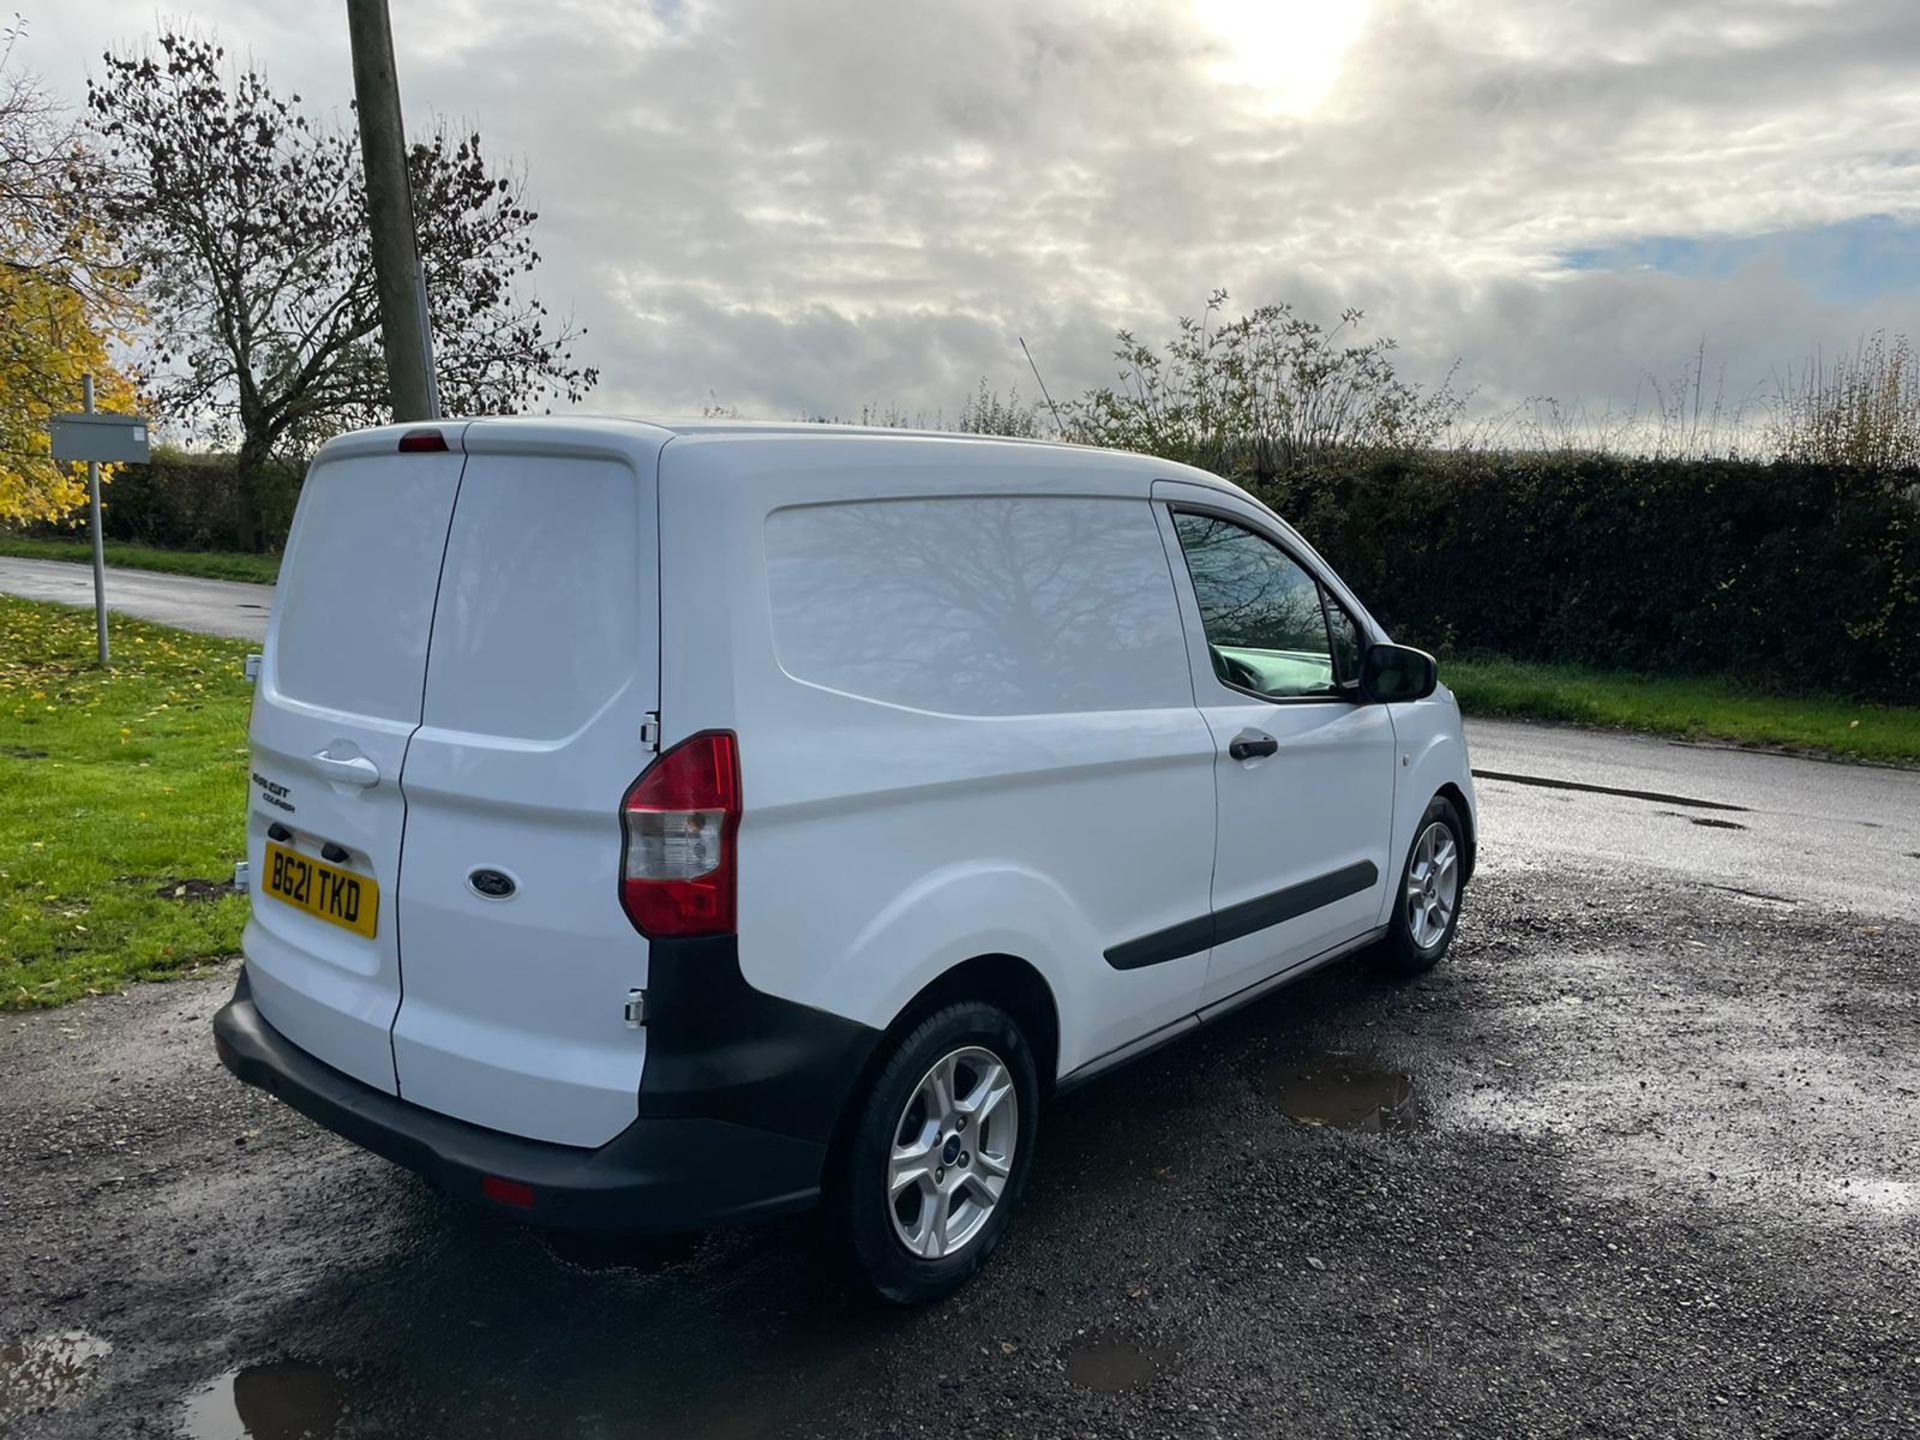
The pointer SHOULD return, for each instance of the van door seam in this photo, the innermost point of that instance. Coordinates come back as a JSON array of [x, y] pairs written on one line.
[[400, 780]]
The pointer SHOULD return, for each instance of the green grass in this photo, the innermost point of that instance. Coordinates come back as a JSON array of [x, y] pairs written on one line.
[[119, 786], [213, 564], [1700, 709]]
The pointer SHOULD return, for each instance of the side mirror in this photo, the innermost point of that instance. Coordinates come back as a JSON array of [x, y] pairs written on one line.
[[1394, 673]]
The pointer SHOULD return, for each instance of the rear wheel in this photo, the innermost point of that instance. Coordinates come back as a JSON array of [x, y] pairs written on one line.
[[1432, 882], [939, 1152]]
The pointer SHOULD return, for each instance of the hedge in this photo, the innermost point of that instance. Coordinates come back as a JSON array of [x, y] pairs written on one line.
[[1794, 578], [181, 501]]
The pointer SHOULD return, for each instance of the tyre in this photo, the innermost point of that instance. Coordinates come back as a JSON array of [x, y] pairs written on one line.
[[938, 1153], [1432, 884]]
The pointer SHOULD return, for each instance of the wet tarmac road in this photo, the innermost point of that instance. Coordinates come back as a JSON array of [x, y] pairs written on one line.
[[1638, 1161], [1773, 826], [214, 607]]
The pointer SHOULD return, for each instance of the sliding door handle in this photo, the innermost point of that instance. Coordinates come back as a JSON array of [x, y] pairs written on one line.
[[1251, 743]]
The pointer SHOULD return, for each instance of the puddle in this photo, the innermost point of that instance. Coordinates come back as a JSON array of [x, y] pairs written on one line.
[[1886, 1197], [1110, 1365], [590, 1250], [282, 1401], [36, 1373], [1345, 1092]]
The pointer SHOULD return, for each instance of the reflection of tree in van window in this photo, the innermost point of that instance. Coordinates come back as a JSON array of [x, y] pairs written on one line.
[[1261, 611], [988, 606]]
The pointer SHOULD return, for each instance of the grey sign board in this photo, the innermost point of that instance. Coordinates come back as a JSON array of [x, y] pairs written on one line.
[[109, 439]]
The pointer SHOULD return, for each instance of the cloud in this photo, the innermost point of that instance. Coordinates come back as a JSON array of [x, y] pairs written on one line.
[[806, 208]]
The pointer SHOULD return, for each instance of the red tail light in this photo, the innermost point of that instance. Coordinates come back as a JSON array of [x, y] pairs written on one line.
[[423, 442], [507, 1192], [677, 874]]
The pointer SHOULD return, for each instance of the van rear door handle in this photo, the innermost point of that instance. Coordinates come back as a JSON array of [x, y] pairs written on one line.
[[1250, 743], [357, 771]]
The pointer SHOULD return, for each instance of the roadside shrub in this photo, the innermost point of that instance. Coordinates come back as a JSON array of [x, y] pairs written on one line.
[[183, 501], [1859, 409]]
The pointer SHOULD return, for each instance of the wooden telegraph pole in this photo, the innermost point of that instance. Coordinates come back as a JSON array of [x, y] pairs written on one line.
[[396, 262]]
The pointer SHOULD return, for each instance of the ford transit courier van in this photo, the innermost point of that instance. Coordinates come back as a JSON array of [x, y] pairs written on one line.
[[658, 825]]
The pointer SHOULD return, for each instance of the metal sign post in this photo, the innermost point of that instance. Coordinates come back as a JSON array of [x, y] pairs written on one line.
[[93, 525], [112, 439]]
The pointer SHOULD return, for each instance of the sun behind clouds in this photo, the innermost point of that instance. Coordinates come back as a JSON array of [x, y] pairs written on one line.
[[1288, 50]]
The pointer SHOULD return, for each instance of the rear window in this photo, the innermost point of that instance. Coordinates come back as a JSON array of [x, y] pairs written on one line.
[[538, 624], [355, 600], [979, 606]]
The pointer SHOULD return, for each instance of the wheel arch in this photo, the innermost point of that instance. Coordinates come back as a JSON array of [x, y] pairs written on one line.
[[1453, 794], [1008, 981]]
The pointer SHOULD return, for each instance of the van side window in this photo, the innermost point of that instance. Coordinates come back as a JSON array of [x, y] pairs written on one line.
[[987, 605], [1266, 628]]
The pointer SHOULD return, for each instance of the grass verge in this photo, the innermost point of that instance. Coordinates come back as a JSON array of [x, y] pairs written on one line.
[[212, 564], [125, 796], [1698, 709]]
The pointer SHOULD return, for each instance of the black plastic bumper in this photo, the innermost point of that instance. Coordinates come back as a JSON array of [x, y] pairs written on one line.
[[658, 1174]]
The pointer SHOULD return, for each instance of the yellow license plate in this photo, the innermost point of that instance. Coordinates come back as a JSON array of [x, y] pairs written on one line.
[[337, 896]]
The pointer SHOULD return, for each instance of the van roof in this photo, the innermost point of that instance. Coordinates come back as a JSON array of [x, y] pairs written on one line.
[[572, 431], [702, 425]]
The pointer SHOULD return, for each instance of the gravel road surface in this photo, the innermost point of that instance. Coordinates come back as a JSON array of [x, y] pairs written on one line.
[[1638, 1161]]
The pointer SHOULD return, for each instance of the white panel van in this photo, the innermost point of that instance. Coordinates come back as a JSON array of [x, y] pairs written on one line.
[[666, 824]]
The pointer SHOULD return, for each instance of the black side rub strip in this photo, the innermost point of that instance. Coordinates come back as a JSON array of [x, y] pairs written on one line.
[[1190, 937]]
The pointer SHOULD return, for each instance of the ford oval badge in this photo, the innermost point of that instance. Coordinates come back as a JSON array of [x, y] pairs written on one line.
[[491, 884]]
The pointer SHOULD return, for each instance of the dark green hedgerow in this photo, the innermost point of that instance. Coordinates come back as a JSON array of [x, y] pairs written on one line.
[[1797, 578]]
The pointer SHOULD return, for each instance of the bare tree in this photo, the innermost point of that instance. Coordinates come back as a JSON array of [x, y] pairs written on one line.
[[1248, 397], [248, 219]]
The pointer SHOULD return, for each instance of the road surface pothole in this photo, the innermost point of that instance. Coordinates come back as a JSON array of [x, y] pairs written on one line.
[[287, 1400], [1345, 1092], [1110, 1365], [36, 1373]]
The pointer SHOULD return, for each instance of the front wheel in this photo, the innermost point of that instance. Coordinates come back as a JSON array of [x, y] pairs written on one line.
[[1427, 905], [939, 1152]]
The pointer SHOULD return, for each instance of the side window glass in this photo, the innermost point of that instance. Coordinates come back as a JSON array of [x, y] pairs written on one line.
[[1345, 631], [1266, 629], [985, 605]]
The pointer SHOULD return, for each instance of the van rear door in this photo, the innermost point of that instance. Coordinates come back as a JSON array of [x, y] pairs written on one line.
[[544, 666], [337, 699]]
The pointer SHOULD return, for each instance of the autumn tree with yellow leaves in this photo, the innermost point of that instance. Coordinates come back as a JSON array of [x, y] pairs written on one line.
[[63, 298]]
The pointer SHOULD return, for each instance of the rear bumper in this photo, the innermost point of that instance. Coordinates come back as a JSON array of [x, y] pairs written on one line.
[[658, 1174]]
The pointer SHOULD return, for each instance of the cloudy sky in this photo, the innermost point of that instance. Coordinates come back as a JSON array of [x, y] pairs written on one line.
[[809, 207]]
